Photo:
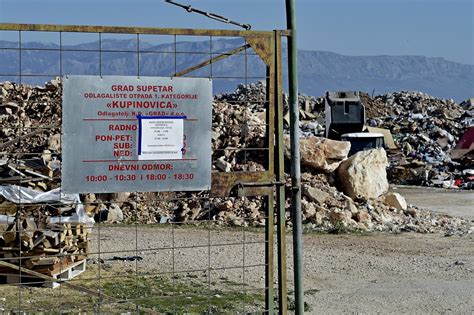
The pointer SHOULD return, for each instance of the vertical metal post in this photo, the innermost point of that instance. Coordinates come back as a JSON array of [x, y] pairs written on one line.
[[295, 157], [269, 265], [280, 176]]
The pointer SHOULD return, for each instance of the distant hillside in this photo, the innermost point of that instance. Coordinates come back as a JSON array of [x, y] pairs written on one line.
[[435, 76], [318, 71]]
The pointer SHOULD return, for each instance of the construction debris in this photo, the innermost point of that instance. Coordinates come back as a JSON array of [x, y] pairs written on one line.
[[424, 131]]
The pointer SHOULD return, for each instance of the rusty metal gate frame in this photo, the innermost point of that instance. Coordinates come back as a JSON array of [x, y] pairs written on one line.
[[269, 183]]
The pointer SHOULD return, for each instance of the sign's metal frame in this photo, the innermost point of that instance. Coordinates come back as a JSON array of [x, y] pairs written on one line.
[[269, 183]]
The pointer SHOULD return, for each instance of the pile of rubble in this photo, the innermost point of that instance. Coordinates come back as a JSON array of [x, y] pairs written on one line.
[[353, 193], [336, 192], [234, 129], [425, 129], [30, 117], [37, 222]]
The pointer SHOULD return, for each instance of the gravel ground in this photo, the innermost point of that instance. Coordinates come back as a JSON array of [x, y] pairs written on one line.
[[461, 202], [374, 273], [404, 273], [195, 250]]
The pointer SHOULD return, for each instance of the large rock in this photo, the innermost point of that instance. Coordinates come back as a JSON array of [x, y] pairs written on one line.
[[315, 194], [120, 197], [364, 174], [309, 209], [223, 165], [320, 153], [363, 217], [115, 214], [54, 142], [395, 200]]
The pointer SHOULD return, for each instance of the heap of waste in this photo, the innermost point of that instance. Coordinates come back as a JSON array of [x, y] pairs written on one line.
[[38, 222], [425, 129], [339, 191]]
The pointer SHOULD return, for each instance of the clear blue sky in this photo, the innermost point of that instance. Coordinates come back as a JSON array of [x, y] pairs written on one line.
[[435, 28]]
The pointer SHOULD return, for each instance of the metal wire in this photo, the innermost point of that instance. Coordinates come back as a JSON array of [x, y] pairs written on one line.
[[179, 245], [210, 15]]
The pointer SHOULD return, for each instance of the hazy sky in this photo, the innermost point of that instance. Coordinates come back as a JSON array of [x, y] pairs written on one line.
[[435, 28]]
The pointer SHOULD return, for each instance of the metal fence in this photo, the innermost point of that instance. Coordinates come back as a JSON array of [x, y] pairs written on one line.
[[170, 255]]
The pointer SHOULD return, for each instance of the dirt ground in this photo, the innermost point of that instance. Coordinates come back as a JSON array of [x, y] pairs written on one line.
[[376, 273], [446, 201], [347, 273], [386, 273], [406, 273]]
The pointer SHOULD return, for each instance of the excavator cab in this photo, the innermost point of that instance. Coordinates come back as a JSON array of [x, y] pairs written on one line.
[[345, 113], [345, 120]]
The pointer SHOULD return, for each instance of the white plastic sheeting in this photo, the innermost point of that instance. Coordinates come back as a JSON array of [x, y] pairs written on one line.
[[24, 195]]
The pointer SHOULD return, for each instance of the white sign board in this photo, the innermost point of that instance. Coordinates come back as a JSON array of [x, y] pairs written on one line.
[[136, 134], [160, 138]]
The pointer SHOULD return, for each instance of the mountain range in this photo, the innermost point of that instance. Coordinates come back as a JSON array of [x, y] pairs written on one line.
[[319, 71]]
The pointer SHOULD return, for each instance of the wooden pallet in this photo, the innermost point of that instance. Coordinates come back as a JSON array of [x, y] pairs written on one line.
[[60, 272]]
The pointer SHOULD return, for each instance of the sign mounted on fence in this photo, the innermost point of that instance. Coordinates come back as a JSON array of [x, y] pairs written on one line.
[[136, 134]]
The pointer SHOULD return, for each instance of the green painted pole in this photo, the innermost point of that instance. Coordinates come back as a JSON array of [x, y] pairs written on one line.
[[295, 158]]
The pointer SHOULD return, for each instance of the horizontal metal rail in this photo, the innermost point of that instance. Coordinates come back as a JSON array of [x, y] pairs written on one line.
[[133, 30]]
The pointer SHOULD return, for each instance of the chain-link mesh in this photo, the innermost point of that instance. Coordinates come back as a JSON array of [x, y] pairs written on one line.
[[170, 252]]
